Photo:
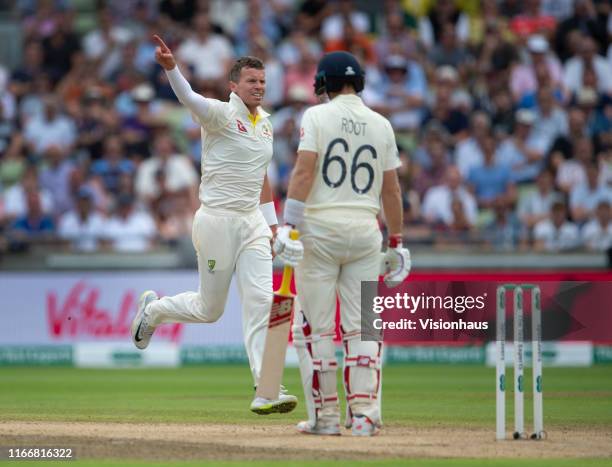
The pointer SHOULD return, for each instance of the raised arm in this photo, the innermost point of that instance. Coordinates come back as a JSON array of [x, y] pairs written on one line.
[[186, 96]]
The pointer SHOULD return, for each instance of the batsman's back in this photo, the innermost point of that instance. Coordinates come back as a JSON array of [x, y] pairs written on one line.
[[355, 145]]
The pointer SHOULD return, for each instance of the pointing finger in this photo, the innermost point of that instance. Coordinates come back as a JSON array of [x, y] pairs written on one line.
[[164, 48]]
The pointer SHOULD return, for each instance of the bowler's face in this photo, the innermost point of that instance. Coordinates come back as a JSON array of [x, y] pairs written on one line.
[[250, 87]]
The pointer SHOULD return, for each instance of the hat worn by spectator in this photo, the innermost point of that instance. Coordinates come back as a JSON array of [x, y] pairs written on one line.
[[537, 44], [143, 93], [447, 73], [396, 62], [298, 93], [586, 96], [525, 116]]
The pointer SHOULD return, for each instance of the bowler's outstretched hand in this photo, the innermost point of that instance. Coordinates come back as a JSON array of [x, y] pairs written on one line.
[[163, 54]]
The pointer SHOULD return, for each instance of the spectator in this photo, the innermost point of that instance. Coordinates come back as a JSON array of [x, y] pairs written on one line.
[[521, 151], [585, 197], [41, 21], [82, 226], [302, 73], [137, 128], [354, 41], [395, 37], [103, 45], [433, 131], [438, 201], [468, 152], [401, 94], [587, 60], [557, 233], [296, 45], [129, 230], [583, 20], [486, 21], [446, 104], [550, 122], [333, 26], [178, 172], [207, 52], [112, 164], [433, 174], [504, 232], [572, 172], [22, 79], [450, 52], [597, 233], [177, 11], [311, 14], [55, 178], [61, 45], [536, 205], [491, 182], [563, 145], [502, 113], [33, 226], [441, 13], [16, 197], [523, 80], [52, 128], [94, 122]]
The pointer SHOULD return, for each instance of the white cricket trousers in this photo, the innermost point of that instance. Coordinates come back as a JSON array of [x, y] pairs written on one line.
[[340, 251], [225, 242]]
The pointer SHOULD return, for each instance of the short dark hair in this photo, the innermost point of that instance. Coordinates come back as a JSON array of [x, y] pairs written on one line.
[[244, 62]]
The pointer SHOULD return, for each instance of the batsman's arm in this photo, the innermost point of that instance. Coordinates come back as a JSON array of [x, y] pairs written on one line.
[[302, 178], [391, 197]]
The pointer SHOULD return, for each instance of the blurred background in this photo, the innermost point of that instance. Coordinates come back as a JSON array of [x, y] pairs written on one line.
[[502, 111]]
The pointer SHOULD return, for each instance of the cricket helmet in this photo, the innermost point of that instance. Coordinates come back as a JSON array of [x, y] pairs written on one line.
[[335, 70]]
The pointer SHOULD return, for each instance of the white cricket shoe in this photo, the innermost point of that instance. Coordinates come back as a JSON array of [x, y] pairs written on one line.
[[142, 331], [284, 404], [363, 426], [325, 429]]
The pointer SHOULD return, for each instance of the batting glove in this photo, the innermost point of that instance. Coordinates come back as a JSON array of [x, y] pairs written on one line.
[[291, 252], [396, 262]]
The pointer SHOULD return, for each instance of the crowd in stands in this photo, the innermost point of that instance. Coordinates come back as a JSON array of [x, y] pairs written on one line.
[[502, 111]]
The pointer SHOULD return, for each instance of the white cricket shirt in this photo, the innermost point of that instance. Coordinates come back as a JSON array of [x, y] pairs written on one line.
[[355, 146], [236, 148], [235, 155]]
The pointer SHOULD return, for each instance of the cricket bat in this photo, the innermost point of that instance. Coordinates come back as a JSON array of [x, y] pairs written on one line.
[[277, 338]]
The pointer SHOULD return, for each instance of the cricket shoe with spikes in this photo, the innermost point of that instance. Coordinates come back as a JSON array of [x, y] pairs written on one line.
[[319, 428], [363, 426], [142, 330], [284, 404]]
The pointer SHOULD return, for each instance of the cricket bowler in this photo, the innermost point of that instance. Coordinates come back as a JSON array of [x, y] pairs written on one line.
[[346, 165], [232, 228]]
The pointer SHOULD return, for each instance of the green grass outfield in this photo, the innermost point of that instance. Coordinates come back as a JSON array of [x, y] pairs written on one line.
[[413, 395]]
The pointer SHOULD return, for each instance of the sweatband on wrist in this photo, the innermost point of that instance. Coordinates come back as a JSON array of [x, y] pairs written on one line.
[[395, 240], [294, 211], [269, 212]]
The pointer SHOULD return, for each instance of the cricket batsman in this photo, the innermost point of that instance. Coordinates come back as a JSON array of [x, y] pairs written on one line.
[[346, 165], [232, 228]]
